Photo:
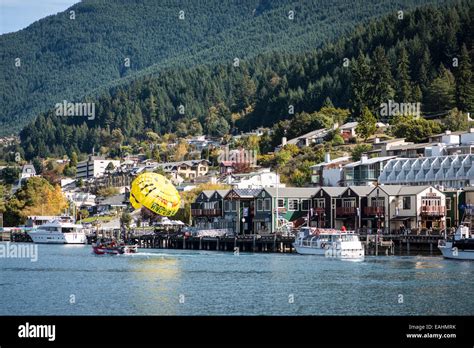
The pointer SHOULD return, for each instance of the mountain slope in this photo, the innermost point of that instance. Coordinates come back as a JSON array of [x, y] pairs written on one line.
[[219, 96], [63, 58]]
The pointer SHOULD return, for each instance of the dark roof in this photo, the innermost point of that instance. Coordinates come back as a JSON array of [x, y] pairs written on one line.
[[245, 193], [116, 200]]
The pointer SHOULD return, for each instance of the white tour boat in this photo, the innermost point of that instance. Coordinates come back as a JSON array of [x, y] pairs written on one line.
[[460, 246], [329, 243], [59, 231]]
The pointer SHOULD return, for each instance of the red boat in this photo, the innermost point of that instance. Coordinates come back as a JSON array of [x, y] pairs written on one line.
[[111, 247]]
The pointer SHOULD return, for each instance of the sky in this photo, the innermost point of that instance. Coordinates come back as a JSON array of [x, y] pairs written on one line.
[[18, 14]]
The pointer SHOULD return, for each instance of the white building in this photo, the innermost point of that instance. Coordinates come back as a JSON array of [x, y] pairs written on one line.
[[329, 172], [94, 167], [27, 171], [400, 206], [255, 180], [81, 199], [455, 171]]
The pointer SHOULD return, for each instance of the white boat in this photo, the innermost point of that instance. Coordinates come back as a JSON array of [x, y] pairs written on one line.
[[59, 232], [329, 243], [460, 246]]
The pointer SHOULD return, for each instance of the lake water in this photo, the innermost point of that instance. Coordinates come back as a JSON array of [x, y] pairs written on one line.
[[70, 280]]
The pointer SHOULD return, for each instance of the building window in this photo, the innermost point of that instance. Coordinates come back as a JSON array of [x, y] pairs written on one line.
[[234, 205], [319, 203], [281, 203], [406, 203], [348, 203], [227, 206], [448, 203], [267, 204], [293, 204], [305, 204], [259, 205]]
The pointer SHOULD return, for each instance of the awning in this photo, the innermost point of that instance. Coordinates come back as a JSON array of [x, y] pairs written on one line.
[[402, 218]]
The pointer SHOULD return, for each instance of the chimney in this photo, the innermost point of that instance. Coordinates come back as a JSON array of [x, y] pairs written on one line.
[[376, 140], [327, 157], [283, 141], [363, 158]]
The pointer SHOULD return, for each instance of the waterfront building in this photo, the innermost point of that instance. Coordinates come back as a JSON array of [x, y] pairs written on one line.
[[349, 206], [455, 171], [388, 208], [324, 206], [239, 209], [207, 210], [364, 172], [454, 202], [396, 207], [274, 206], [94, 167]]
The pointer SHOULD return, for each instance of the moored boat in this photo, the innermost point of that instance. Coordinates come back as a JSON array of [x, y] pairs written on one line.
[[329, 243], [59, 231], [460, 246]]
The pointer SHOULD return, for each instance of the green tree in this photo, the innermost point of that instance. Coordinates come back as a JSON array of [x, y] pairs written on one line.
[[125, 219], [38, 164], [465, 82], [10, 175], [404, 88], [367, 124], [381, 90], [358, 150], [337, 140], [441, 92], [83, 213], [456, 120], [360, 84], [416, 129]]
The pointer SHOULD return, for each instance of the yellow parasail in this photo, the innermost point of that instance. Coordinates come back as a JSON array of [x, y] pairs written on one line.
[[155, 192]]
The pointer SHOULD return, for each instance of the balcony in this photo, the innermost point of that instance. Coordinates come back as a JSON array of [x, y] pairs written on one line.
[[196, 212], [433, 210], [206, 212], [373, 211], [347, 211]]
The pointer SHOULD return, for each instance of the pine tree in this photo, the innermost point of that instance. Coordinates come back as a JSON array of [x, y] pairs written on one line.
[[360, 84], [381, 80], [367, 124], [465, 82], [404, 88], [441, 92]]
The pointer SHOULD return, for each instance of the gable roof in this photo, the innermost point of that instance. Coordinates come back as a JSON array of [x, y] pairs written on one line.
[[292, 191], [316, 134], [244, 193], [394, 190], [361, 190], [334, 191]]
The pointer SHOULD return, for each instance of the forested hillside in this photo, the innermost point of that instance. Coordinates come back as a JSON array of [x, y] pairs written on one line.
[[408, 60], [70, 55]]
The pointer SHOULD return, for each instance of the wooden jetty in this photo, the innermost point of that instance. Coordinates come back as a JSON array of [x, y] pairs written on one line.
[[240, 243], [374, 244]]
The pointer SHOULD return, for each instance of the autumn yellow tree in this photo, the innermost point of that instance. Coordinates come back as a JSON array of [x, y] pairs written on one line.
[[38, 197]]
